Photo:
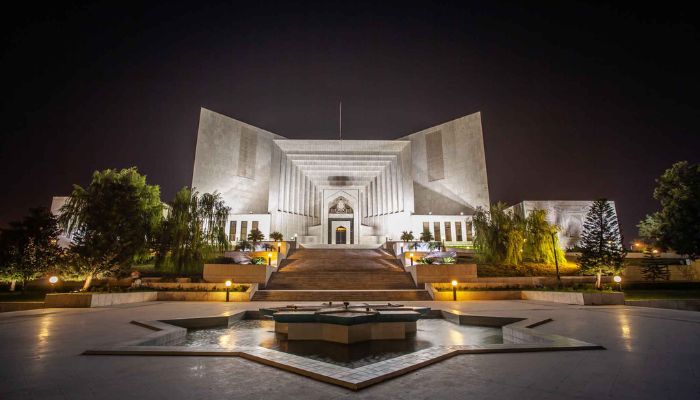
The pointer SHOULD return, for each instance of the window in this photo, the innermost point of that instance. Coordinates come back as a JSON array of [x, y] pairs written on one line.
[[458, 229], [470, 236], [232, 231], [244, 230], [448, 232], [436, 231], [255, 225], [426, 227]]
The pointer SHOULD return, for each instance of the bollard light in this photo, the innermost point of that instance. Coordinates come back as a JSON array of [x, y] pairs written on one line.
[[53, 281], [454, 290], [279, 246], [269, 258], [618, 280], [228, 287], [411, 258]]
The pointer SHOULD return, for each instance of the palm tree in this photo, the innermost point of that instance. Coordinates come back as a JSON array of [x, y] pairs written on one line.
[[244, 245], [426, 236], [255, 236], [276, 236], [407, 236]]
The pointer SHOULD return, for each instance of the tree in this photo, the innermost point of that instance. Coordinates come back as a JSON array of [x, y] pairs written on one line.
[[652, 268], [113, 221], [407, 236], [29, 248], [255, 236], [276, 236], [677, 225], [180, 237], [214, 215], [649, 229], [499, 236], [193, 228], [541, 240], [601, 242], [244, 245], [426, 236]]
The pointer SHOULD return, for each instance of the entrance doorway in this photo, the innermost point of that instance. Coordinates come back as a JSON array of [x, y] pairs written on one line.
[[341, 235]]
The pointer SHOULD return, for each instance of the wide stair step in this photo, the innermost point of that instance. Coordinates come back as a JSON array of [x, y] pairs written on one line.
[[341, 275], [341, 295]]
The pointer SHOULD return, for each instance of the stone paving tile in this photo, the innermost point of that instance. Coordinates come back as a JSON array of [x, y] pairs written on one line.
[[642, 360]]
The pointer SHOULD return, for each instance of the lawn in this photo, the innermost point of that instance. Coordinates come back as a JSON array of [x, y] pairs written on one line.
[[18, 296], [662, 294]]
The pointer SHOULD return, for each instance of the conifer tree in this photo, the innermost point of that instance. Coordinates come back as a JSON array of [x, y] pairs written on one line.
[[653, 268], [601, 242]]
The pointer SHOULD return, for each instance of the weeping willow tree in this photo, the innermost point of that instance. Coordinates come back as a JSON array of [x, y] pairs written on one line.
[[541, 240], [194, 226], [500, 235]]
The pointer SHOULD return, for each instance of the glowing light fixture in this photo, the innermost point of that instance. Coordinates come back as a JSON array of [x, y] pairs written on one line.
[[618, 280], [454, 290], [53, 280], [228, 288]]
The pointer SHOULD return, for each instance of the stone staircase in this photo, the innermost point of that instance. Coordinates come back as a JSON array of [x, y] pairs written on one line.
[[340, 275]]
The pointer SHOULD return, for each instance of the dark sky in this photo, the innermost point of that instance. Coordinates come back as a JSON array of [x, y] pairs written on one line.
[[578, 100]]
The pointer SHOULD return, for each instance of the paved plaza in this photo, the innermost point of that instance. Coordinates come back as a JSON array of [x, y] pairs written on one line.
[[650, 354]]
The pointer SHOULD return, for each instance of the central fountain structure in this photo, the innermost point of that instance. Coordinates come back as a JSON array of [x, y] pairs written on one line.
[[345, 323]]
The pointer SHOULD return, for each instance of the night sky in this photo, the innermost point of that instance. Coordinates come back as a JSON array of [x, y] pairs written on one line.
[[578, 100]]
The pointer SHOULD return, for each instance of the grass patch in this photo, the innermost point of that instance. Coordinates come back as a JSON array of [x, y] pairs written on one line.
[[18, 296], [662, 294]]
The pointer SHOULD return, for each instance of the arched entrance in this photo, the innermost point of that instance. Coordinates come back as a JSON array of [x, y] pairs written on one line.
[[341, 235], [341, 222]]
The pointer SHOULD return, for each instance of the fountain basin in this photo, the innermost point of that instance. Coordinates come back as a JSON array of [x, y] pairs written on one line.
[[348, 324]]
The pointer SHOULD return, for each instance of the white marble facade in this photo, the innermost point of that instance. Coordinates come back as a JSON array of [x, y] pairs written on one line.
[[356, 191], [568, 215]]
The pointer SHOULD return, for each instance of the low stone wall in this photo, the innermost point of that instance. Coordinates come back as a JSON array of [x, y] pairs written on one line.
[[237, 273], [86, 300], [203, 286], [673, 304], [580, 298], [677, 273], [7, 306]]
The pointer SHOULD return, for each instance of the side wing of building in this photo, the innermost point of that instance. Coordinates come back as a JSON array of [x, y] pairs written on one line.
[[568, 215], [233, 158], [449, 167]]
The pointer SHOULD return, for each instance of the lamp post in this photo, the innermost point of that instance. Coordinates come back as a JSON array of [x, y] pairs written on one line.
[[556, 261], [279, 246], [411, 258], [53, 281], [269, 259], [228, 288], [454, 290], [618, 280]]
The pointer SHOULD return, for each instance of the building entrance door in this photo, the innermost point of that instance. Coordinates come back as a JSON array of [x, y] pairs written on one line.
[[341, 235]]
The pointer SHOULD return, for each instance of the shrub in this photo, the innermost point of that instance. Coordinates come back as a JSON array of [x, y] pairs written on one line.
[[258, 260]]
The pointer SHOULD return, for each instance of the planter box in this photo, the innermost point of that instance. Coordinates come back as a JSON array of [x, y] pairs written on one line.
[[203, 286], [578, 298], [202, 296], [441, 273], [237, 273], [87, 300]]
